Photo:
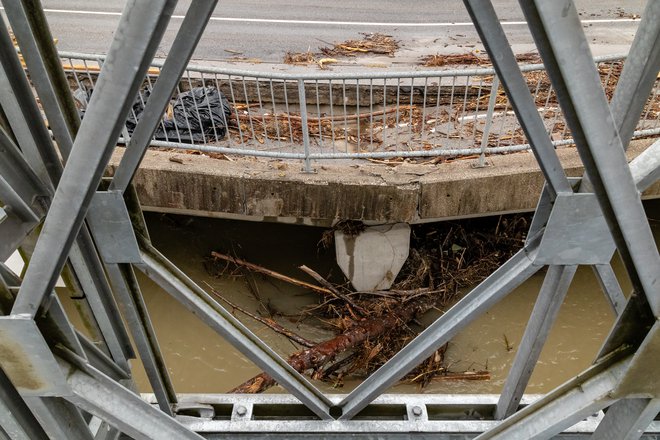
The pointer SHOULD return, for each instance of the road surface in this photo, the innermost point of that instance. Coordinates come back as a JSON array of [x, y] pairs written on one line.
[[264, 31]]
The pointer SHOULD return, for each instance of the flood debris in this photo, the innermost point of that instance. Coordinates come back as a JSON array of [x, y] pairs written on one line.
[[472, 58], [370, 327], [300, 58], [365, 331], [283, 126], [438, 60], [307, 58], [429, 116], [370, 43]]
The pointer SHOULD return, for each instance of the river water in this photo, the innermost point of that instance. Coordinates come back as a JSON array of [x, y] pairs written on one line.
[[200, 361]]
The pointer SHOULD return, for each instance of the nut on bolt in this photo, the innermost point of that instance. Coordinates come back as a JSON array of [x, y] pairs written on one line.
[[417, 411], [241, 410]]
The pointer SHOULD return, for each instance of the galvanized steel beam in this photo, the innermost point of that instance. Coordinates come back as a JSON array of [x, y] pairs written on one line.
[[59, 418], [16, 419], [504, 61], [552, 294], [137, 317], [586, 394], [195, 299], [610, 285], [639, 73], [645, 168], [19, 105], [559, 36], [134, 45], [601, 135], [38, 50], [106, 399], [494, 288], [184, 44], [627, 419]]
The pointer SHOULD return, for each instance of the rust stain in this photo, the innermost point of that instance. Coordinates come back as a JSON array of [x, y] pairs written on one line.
[[18, 366]]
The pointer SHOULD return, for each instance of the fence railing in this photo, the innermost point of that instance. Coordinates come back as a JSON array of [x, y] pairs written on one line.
[[330, 115]]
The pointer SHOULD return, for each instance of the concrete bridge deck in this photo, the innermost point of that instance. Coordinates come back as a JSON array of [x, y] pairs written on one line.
[[272, 190]]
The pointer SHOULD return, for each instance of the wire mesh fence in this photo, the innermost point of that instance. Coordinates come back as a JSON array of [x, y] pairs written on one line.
[[328, 115]]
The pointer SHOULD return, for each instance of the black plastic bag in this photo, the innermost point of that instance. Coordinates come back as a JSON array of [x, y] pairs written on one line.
[[198, 115]]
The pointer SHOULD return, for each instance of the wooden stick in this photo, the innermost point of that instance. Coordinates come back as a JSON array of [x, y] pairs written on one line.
[[272, 273], [468, 375], [325, 283], [270, 323]]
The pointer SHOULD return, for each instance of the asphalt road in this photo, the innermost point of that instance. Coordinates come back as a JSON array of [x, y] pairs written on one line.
[[266, 30]]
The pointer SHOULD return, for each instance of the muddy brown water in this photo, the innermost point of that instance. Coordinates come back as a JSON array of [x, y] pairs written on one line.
[[200, 361]]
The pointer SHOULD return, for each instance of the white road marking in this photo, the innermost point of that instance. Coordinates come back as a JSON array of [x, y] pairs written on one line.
[[340, 23]]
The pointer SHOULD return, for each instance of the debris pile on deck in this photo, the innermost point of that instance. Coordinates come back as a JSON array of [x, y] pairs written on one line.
[[471, 58], [370, 43]]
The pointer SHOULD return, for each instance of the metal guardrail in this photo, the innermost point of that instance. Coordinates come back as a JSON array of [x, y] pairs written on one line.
[[329, 115]]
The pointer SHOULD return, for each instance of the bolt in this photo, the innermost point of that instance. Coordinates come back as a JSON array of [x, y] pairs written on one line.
[[241, 410], [417, 411]]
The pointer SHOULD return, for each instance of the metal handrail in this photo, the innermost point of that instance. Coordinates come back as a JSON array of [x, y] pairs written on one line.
[[345, 115]]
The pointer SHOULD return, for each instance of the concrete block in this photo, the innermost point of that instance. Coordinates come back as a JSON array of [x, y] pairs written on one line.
[[372, 259]]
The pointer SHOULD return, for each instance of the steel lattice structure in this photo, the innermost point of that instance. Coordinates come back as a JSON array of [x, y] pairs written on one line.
[[57, 383]]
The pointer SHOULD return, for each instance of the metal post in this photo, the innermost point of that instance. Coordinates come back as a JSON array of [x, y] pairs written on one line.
[[489, 120], [305, 128]]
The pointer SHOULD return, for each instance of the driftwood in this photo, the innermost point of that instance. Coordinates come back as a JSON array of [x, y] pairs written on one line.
[[443, 260], [316, 357], [270, 323], [327, 288], [467, 375], [322, 281], [272, 273]]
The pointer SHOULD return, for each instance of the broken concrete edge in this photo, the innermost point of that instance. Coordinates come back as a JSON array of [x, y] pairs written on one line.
[[277, 190]]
